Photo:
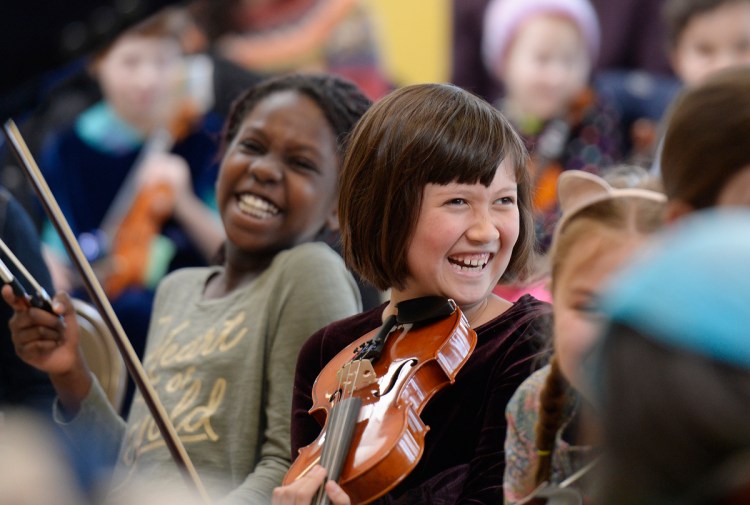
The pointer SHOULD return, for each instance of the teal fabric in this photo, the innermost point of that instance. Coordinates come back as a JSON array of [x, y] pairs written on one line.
[[693, 290], [103, 130]]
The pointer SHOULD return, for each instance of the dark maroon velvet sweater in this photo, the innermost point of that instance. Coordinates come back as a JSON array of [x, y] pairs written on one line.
[[463, 459]]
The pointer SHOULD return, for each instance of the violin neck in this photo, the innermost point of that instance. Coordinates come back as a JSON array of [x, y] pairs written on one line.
[[159, 141], [338, 441]]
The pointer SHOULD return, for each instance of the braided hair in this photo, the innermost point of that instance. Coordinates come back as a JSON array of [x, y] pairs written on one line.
[[340, 100], [553, 398], [629, 215]]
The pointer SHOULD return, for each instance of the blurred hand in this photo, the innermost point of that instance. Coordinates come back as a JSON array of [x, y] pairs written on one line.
[[302, 490], [169, 169]]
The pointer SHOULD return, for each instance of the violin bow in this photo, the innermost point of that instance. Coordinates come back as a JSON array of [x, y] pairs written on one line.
[[561, 494], [159, 142], [40, 298], [96, 292]]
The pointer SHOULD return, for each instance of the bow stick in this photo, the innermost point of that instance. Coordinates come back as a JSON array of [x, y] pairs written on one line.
[[96, 292]]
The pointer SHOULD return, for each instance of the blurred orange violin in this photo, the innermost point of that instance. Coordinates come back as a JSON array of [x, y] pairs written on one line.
[[140, 210]]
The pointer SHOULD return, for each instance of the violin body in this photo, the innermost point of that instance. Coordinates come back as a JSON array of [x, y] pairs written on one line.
[[388, 437], [131, 246]]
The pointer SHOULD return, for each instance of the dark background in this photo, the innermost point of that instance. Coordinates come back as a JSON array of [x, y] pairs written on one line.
[[41, 38]]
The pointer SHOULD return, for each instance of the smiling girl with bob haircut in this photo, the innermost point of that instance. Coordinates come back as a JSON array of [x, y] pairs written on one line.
[[435, 200]]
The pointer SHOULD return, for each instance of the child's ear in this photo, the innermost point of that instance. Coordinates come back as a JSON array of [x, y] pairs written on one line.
[[676, 209], [675, 61], [332, 221]]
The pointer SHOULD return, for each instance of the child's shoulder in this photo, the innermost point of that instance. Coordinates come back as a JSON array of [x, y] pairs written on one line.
[[308, 268], [327, 342], [309, 255], [187, 276], [526, 397], [527, 310]]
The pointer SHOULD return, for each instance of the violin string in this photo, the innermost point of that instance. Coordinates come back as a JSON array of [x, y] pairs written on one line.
[[342, 414], [339, 414], [339, 387], [326, 456], [339, 449], [333, 432], [333, 437]]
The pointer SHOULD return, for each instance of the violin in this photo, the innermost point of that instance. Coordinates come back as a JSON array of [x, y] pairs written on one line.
[[130, 248], [371, 394]]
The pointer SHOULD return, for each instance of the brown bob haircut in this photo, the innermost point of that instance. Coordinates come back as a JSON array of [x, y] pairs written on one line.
[[706, 142], [418, 135]]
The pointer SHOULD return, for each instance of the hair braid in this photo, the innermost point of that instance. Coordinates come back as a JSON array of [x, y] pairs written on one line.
[[552, 402]]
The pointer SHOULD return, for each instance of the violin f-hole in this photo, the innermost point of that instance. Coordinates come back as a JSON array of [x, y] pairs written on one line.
[[395, 377]]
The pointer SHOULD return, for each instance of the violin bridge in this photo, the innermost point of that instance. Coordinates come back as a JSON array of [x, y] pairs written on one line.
[[356, 375]]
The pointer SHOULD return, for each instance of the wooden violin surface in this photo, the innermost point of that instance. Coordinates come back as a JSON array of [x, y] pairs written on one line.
[[390, 393]]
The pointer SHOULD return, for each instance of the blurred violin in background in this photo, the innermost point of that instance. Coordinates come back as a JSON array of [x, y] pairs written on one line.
[[144, 204]]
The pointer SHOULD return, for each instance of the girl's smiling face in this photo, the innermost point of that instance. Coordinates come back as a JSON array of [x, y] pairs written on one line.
[[463, 239], [277, 185]]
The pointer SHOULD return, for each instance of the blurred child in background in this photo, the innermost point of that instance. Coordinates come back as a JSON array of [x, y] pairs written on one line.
[[552, 428], [542, 51], [135, 174], [707, 35], [674, 369], [704, 37], [705, 160], [279, 36]]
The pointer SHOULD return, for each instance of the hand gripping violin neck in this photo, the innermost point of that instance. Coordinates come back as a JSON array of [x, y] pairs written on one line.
[[371, 394]]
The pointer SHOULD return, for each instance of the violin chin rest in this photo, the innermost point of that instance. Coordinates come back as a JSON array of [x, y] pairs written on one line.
[[424, 309]]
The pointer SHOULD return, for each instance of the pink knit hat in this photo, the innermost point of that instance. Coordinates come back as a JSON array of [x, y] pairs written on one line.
[[503, 17]]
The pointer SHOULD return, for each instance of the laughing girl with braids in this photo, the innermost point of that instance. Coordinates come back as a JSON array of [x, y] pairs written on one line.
[[223, 340], [551, 427]]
